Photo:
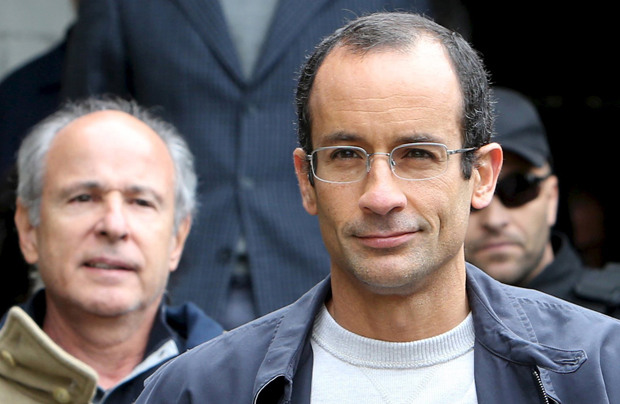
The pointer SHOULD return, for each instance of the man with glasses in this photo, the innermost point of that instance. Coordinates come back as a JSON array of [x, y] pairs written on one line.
[[394, 126], [512, 238]]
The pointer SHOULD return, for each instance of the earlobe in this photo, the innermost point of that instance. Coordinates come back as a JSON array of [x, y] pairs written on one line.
[[308, 194], [27, 234], [488, 166]]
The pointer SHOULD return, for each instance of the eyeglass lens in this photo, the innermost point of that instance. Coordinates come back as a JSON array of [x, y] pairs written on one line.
[[350, 163]]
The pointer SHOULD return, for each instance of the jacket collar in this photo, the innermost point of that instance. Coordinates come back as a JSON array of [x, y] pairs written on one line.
[[291, 338], [501, 327], [35, 368]]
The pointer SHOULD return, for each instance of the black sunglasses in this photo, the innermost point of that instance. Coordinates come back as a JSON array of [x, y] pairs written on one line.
[[517, 189]]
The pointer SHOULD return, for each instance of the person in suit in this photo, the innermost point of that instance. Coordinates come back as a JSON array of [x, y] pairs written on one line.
[[105, 200], [223, 72]]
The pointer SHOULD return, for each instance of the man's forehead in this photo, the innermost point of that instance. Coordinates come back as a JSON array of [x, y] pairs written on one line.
[[109, 129], [109, 147], [413, 71], [415, 91]]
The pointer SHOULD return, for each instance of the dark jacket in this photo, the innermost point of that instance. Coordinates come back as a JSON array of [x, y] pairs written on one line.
[[175, 330], [569, 279], [527, 343]]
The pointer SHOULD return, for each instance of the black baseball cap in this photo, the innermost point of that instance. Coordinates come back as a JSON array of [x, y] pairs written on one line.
[[518, 127]]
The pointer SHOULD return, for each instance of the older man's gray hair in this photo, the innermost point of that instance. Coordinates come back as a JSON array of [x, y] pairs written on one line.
[[33, 151]]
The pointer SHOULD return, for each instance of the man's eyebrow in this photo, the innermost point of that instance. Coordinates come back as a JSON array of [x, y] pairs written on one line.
[[341, 136], [417, 138], [143, 190], [94, 185], [79, 186]]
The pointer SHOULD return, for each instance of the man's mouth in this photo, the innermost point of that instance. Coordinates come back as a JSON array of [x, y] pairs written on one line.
[[495, 246], [386, 240], [109, 265]]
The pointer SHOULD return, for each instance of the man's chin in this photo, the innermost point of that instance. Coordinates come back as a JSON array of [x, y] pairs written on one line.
[[111, 306], [390, 281]]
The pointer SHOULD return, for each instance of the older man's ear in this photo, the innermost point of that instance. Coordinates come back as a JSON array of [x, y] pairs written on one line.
[[27, 234]]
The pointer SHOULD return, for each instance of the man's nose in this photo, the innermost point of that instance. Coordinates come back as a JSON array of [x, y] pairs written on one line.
[[113, 222], [382, 193]]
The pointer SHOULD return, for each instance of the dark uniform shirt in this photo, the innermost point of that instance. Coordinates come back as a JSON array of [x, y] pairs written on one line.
[[569, 279]]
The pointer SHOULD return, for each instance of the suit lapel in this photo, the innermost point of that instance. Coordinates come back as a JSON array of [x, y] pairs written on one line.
[[291, 16], [207, 18]]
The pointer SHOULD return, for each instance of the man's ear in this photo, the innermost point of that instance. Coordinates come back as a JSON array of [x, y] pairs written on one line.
[[178, 242], [302, 169], [27, 234], [552, 190], [486, 172]]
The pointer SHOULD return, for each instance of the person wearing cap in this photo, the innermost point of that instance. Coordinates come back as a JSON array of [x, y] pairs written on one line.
[[513, 239]]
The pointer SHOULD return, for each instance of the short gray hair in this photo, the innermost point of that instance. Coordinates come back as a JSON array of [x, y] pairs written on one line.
[[32, 153]]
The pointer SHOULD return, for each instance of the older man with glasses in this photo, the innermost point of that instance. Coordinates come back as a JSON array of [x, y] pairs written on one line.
[[513, 239]]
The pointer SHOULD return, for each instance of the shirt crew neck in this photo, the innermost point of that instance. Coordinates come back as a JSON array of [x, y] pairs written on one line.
[[361, 351]]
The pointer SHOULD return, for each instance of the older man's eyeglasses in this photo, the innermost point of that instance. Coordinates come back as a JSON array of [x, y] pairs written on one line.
[[517, 189], [411, 161]]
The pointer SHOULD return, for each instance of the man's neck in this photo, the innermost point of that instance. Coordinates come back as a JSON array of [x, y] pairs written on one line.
[[111, 346], [433, 309]]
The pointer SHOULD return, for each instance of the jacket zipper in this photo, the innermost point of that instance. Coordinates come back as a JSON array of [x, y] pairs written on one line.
[[541, 386]]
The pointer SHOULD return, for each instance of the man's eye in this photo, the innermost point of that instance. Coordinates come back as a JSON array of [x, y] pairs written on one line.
[[417, 153], [82, 198], [143, 202], [345, 154]]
